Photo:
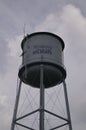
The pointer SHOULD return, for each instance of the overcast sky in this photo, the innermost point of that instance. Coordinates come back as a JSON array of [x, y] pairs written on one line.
[[66, 18]]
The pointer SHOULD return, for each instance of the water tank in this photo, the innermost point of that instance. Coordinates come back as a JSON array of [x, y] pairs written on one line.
[[42, 48]]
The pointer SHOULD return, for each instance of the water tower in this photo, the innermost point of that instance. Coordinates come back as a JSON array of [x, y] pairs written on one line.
[[42, 55]]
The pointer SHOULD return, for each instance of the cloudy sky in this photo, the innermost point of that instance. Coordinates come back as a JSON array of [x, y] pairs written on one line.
[[66, 18]]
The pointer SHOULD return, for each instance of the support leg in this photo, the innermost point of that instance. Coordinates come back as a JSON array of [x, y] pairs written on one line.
[[41, 127], [67, 105], [16, 106]]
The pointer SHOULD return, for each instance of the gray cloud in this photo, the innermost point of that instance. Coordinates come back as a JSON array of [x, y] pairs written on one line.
[[65, 20], [80, 4], [4, 51], [73, 32]]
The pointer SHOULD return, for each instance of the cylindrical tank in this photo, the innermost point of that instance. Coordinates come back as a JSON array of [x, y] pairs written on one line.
[[42, 48]]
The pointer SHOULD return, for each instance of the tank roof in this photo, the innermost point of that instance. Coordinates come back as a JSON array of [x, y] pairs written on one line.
[[47, 33]]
